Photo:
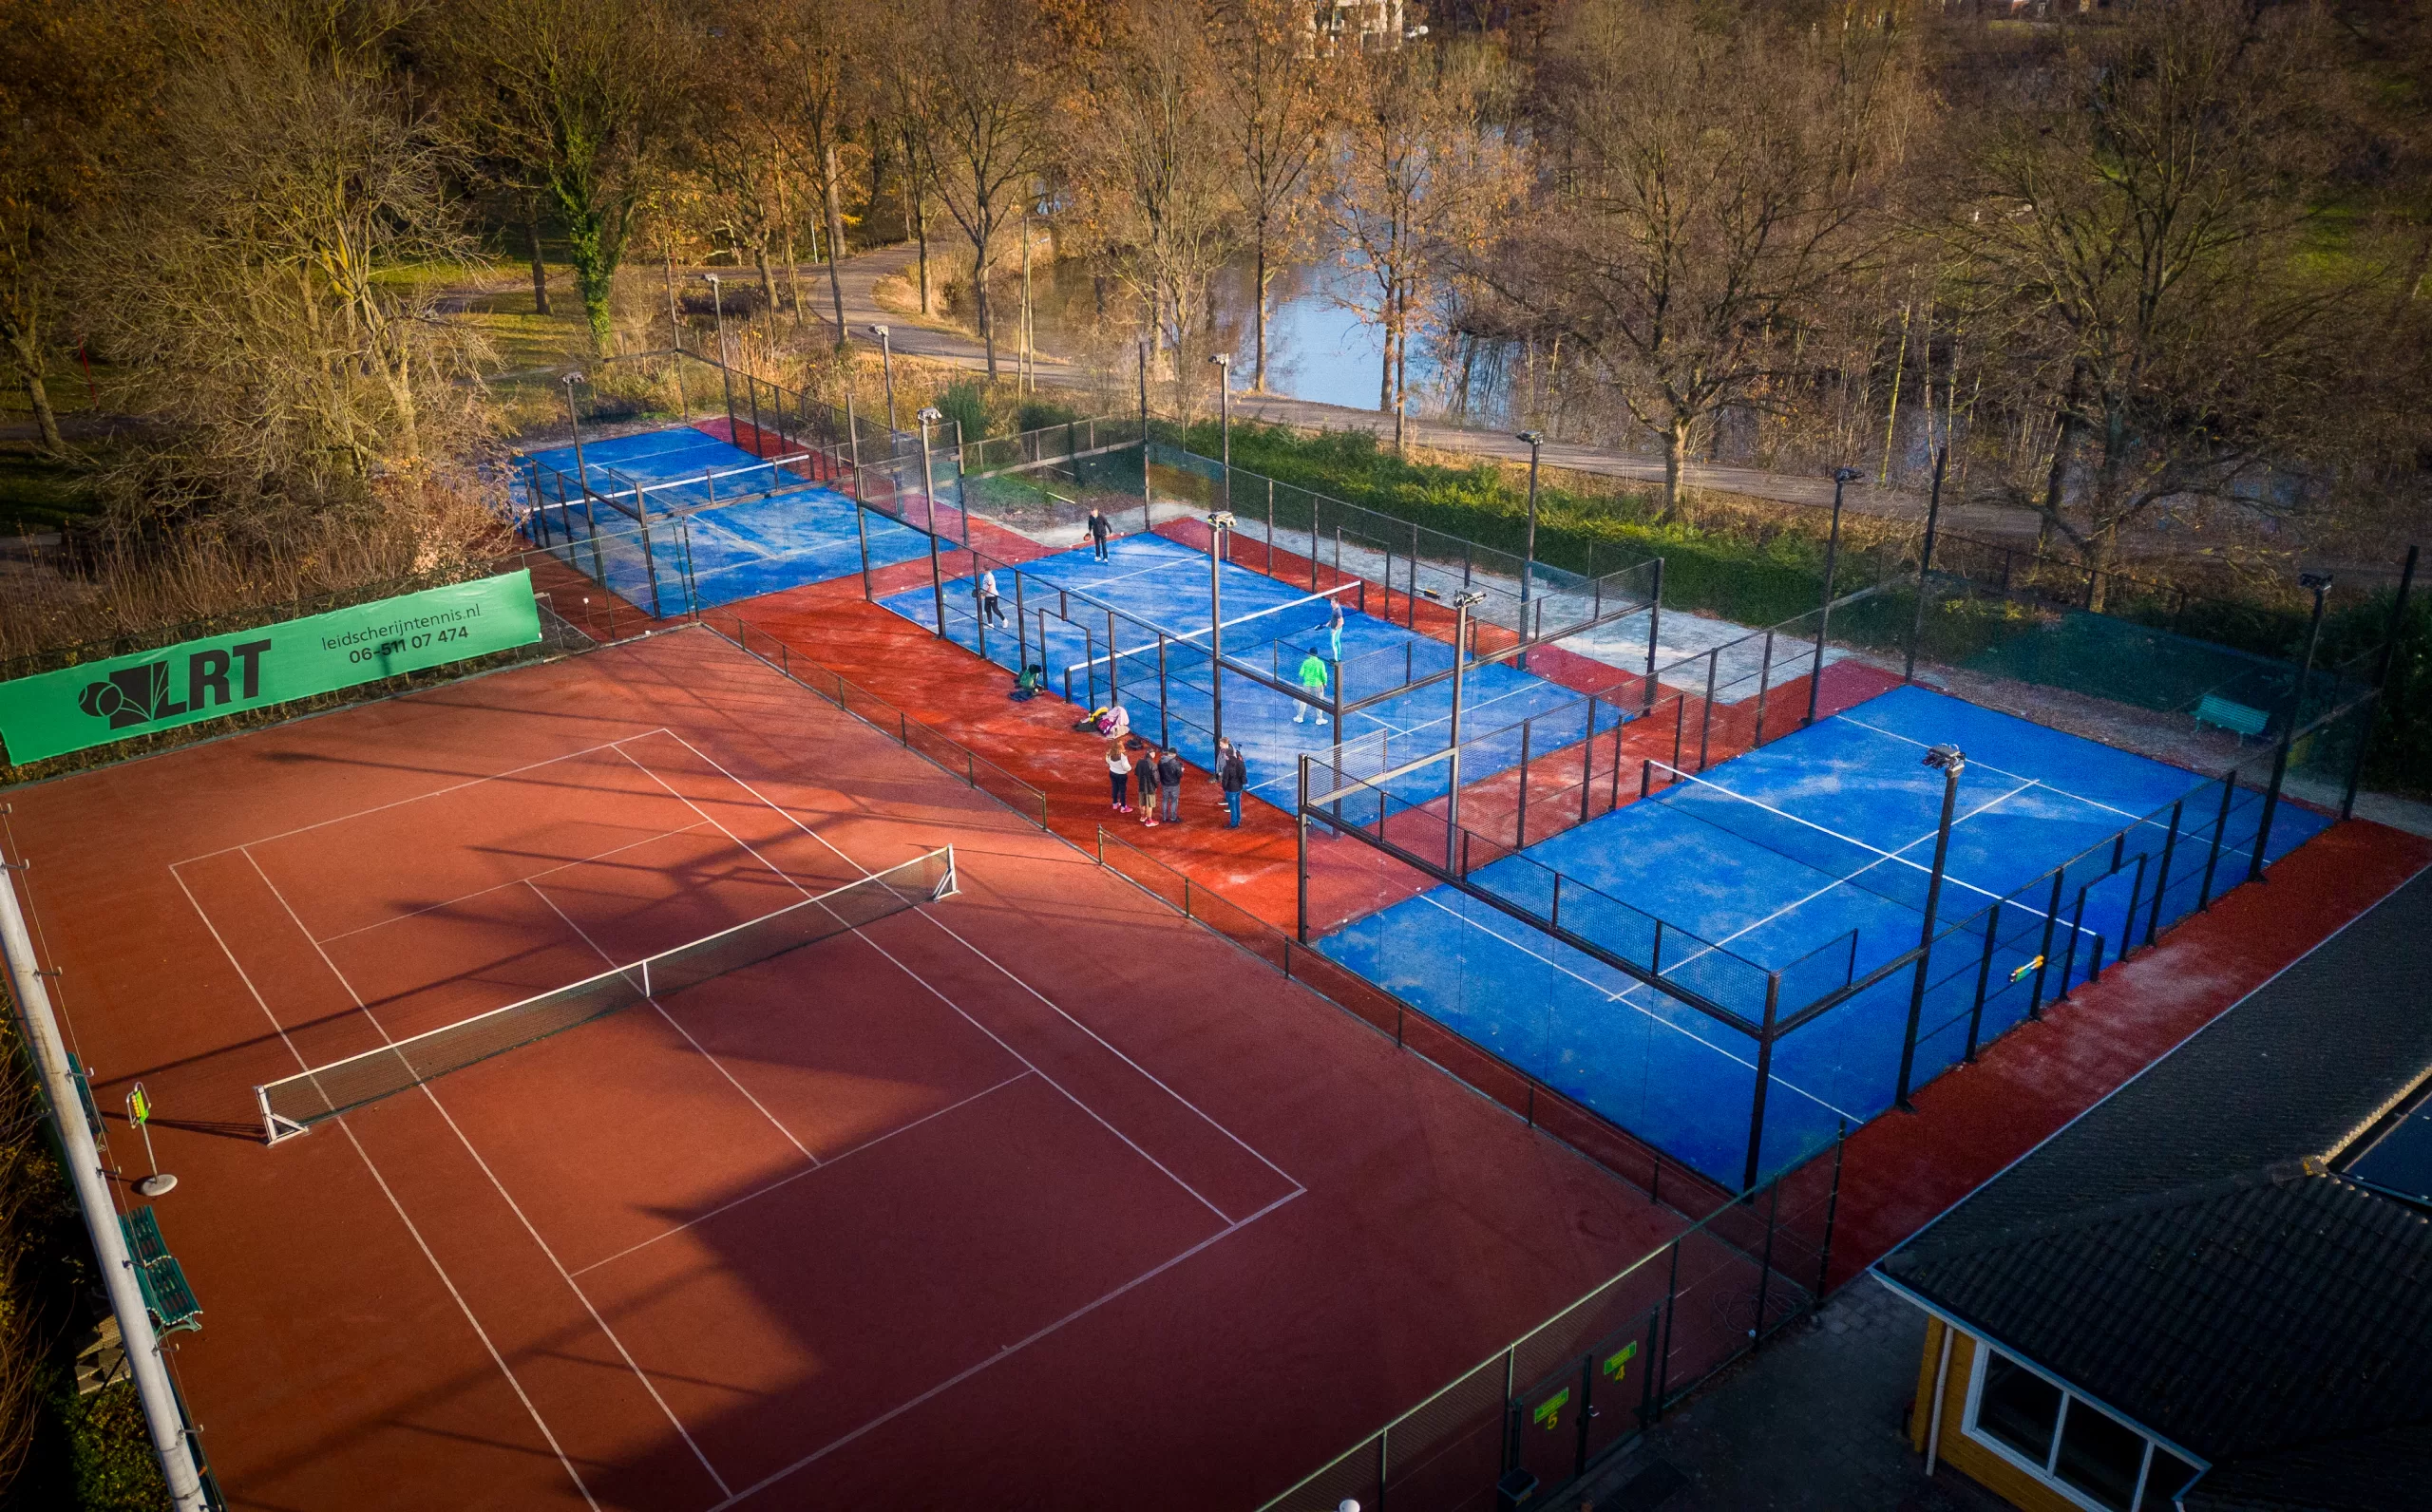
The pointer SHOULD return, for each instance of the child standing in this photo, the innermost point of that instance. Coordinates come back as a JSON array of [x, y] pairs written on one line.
[[1146, 777]]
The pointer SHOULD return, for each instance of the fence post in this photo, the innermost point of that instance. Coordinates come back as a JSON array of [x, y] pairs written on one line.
[[1164, 733], [1021, 626], [1301, 841], [1654, 626], [1983, 976], [862, 531], [1706, 717], [1671, 1308], [2288, 736], [649, 558], [2161, 875], [1520, 827], [1765, 1265], [2220, 827], [1924, 566], [1764, 676], [1764, 1075], [2381, 684], [2076, 928], [1588, 761]]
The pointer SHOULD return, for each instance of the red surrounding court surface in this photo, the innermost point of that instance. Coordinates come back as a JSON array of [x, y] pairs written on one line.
[[1039, 1197]]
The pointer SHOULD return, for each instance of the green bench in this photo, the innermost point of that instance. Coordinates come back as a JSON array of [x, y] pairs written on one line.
[[167, 1296], [2236, 718]]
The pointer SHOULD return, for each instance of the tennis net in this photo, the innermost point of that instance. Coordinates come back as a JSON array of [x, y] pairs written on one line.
[[1189, 653], [292, 1104]]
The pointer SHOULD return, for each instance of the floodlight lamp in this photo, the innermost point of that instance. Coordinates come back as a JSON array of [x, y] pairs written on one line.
[[2319, 582], [1415, 33], [1219, 519], [1947, 759], [1468, 599], [709, 277], [880, 332], [1846, 475], [571, 379], [930, 415], [1535, 438], [1347, 1505], [1223, 359]]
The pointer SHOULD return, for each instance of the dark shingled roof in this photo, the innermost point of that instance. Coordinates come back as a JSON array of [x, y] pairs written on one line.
[[2182, 1254]]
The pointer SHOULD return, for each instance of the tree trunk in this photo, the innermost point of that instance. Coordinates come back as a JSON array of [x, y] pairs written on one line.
[[835, 241], [980, 297], [768, 277], [539, 271], [1258, 319], [1675, 452], [27, 351]]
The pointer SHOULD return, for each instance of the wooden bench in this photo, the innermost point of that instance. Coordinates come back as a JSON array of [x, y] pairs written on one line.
[[167, 1296], [2236, 718]]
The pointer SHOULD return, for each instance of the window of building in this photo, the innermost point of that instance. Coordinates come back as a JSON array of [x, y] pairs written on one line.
[[2068, 1443]]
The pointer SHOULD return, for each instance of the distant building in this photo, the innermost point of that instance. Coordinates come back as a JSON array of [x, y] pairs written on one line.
[[1364, 26], [2213, 1291]]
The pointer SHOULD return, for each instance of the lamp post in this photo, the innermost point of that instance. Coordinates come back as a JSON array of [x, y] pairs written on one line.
[[717, 306], [886, 362], [1223, 361], [575, 415], [929, 416], [1219, 521], [1950, 762], [1529, 562], [1842, 478], [2320, 584], [1463, 601]]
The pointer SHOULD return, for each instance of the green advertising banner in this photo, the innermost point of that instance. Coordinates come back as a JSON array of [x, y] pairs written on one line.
[[52, 713]]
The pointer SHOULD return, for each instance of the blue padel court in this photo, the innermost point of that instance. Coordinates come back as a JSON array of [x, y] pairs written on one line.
[[1060, 619], [700, 523], [1794, 872]]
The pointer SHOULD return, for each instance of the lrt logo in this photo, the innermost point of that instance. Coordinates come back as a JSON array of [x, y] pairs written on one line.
[[139, 695]]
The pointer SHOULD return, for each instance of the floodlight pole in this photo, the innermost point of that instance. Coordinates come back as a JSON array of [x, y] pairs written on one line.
[[717, 304], [575, 416], [1842, 477], [2380, 683], [1223, 361], [1148, 507], [1529, 562], [930, 416], [886, 362], [163, 1417], [1952, 762], [2320, 583], [1219, 521], [1924, 566]]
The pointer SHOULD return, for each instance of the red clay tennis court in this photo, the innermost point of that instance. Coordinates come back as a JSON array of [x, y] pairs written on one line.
[[1037, 1196]]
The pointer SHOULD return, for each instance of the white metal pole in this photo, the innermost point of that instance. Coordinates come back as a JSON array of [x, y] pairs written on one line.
[[100, 1215]]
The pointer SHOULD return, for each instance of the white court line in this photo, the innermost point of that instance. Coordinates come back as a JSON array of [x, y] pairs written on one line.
[[792, 1176], [470, 782], [1019, 1345], [983, 1029], [421, 1243], [2090, 802], [612, 963], [1000, 966], [504, 1196], [478, 892], [1622, 997]]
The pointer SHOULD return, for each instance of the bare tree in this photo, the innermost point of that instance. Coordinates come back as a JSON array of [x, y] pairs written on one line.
[[74, 82], [1706, 187], [979, 79], [1150, 194], [585, 94], [1276, 110], [1418, 171], [2134, 240]]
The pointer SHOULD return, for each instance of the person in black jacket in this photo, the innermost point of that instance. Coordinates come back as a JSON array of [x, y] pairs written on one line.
[[1099, 531], [1169, 772], [1233, 776]]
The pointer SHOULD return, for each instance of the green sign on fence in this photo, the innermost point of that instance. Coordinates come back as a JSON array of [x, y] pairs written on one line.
[[55, 712]]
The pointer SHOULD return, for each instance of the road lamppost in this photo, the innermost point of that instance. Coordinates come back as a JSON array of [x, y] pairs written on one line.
[[1950, 762], [1219, 521], [1529, 562], [886, 361], [1842, 478], [929, 416], [717, 306]]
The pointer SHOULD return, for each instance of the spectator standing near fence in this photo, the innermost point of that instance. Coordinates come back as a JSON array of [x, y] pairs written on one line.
[[1099, 531], [1233, 778], [1118, 773], [1146, 777], [1169, 772], [1333, 630]]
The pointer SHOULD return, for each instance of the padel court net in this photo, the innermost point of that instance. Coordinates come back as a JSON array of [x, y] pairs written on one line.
[[294, 1103]]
